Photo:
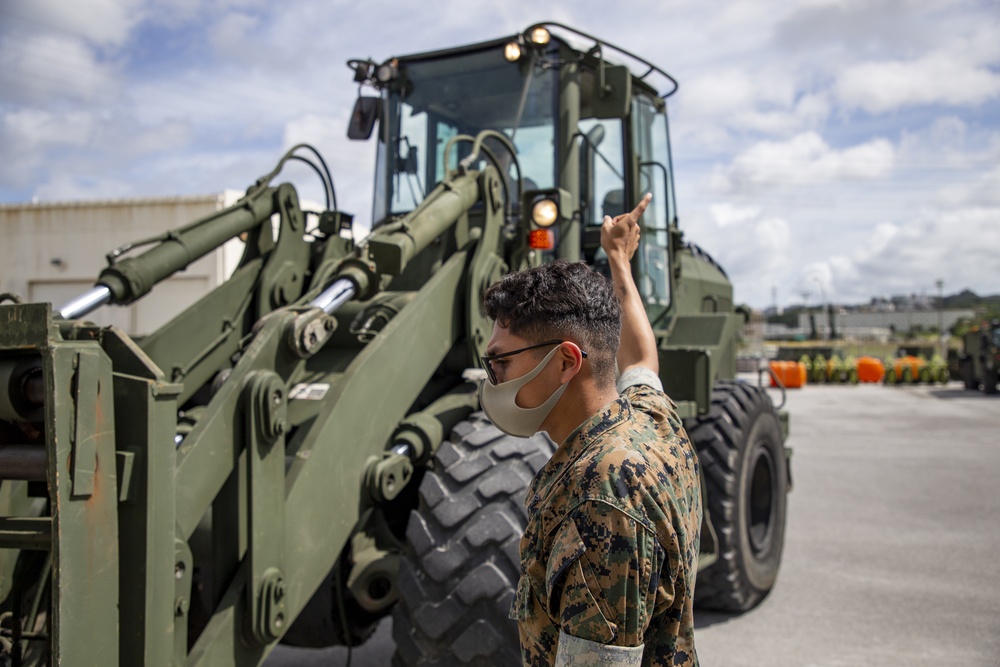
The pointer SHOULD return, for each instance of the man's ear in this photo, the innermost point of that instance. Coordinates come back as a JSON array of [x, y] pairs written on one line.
[[570, 361]]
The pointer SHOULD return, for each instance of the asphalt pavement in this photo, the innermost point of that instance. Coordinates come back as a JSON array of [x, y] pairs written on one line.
[[892, 552]]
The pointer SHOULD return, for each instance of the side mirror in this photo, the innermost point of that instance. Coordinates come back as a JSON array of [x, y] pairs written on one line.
[[410, 163], [615, 100], [363, 118]]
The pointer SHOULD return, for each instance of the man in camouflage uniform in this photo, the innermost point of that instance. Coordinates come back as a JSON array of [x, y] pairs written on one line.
[[609, 556]]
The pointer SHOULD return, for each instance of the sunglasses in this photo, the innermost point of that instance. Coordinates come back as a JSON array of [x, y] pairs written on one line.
[[488, 360]]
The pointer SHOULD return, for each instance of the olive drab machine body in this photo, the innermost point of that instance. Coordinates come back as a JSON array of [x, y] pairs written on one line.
[[300, 453]]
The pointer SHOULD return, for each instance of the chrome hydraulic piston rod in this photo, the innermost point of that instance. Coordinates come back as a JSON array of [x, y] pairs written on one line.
[[87, 302], [335, 296]]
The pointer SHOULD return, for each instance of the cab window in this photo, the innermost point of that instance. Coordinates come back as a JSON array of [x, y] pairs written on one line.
[[652, 152]]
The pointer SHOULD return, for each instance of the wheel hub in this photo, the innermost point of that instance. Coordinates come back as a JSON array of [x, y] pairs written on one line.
[[760, 501]]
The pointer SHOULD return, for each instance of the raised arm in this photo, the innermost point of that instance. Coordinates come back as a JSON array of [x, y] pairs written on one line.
[[620, 238]]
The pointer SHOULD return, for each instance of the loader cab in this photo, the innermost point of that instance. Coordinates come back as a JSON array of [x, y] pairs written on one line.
[[435, 103], [590, 136]]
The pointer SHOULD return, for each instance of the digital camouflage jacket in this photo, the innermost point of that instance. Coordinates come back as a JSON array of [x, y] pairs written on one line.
[[610, 552]]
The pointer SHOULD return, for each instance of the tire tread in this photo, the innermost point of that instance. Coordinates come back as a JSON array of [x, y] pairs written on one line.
[[719, 438], [463, 550]]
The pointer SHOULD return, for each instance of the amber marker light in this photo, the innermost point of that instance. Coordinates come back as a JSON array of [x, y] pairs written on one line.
[[541, 239]]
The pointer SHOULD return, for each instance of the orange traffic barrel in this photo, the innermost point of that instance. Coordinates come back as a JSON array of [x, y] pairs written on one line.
[[870, 369], [792, 374]]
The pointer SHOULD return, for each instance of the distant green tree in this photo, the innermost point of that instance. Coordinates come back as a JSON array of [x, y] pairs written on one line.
[[960, 327]]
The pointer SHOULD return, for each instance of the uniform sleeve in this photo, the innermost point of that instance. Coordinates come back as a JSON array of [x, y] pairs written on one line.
[[638, 375], [602, 577]]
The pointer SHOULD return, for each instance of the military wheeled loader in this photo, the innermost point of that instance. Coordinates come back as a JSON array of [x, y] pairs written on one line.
[[979, 360], [300, 453]]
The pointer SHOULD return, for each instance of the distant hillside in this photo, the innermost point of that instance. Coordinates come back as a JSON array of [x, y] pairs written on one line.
[[969, 299], [965, 300]]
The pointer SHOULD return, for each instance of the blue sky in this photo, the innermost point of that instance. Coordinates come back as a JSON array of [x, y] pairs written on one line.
[[849, 148]]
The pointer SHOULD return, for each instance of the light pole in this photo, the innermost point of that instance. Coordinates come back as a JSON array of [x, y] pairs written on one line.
[[805, 307], [941, 339], [822, 294]]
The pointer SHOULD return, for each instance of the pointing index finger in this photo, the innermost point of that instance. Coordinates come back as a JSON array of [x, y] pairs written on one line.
[[641, 208]]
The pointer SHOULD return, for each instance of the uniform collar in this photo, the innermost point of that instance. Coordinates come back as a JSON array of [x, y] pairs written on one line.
[[551, 474]]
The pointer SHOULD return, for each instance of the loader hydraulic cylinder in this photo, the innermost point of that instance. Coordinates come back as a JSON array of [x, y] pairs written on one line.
[[392, 247], [125, 281]]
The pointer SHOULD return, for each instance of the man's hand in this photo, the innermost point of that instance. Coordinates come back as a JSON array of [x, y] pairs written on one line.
[[620, 236]]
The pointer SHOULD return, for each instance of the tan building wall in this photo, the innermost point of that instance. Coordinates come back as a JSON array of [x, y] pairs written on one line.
[[53, 252]]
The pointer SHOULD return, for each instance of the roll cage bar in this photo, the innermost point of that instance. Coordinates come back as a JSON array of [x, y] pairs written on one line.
[[596, 50]]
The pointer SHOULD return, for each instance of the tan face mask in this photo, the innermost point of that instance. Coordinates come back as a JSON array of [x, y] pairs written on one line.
[[499, 403]]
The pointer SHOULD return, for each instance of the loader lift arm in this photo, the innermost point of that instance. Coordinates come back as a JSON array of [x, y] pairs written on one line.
[[240, 424]]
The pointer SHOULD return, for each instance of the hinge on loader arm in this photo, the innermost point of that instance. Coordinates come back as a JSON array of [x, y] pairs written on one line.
[[267, 423]]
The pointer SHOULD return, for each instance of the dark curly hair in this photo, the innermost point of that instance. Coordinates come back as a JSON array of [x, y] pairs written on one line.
[[564, 300]]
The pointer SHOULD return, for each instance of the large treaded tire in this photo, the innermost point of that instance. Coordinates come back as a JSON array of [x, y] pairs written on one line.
[[31, 572], [968, 374], [742, 456], [989, 381], [462, 561]]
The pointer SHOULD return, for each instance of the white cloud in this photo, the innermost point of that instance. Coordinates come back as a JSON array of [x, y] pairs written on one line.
[[29, 138], [728, 215], [753, 249], [55, 154], [717, 104], [983, 192], [773, 234], [43, 128], [936, 78], [62, 186], [232, 33], [45, 68], [958, 245], [805, 159], [935, 212], [808, 111], [950, 143], [227, 104], [105, 23], [757, 257]]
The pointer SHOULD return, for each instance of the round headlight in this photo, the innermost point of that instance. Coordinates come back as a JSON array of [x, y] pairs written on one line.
[[512, 52], [545, 212], [385, 73], [540, 36]]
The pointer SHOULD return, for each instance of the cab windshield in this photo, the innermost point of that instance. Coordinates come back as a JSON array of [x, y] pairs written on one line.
[[463, 94]]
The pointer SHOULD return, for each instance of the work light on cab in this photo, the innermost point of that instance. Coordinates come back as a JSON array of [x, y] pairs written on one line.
[[539, 36], [512, 52], [544, 213], [387, 72]]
